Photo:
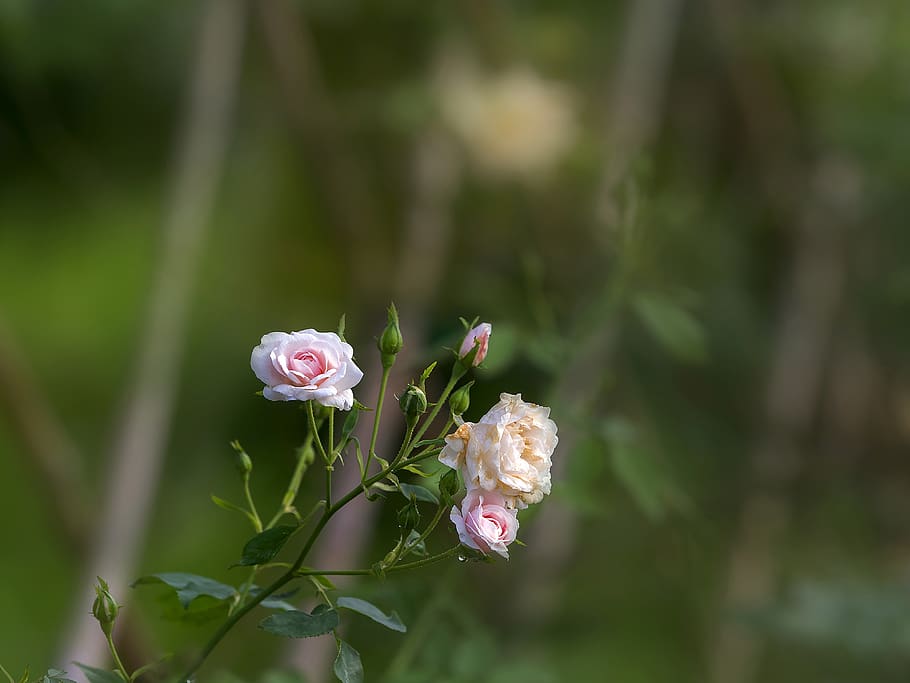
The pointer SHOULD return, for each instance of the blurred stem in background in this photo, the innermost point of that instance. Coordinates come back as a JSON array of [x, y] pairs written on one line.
[[638, 91], [139, 447]]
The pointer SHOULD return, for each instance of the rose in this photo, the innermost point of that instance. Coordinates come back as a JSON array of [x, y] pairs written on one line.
[[306, 366], [484, 522], [479, 336], [507, 452]]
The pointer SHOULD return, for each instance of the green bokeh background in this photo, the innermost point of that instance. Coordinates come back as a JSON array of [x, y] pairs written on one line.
[[772, 116]]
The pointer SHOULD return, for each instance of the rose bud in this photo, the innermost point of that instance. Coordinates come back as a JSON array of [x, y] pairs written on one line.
[[460, 400], [390, 342], [477, 338], [105, 608], [413, 402]]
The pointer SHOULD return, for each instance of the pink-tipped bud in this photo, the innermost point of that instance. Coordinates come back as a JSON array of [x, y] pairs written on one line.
[[477, 338]]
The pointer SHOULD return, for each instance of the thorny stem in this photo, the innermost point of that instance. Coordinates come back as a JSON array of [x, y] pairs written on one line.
[[287, 503], [366, 572]]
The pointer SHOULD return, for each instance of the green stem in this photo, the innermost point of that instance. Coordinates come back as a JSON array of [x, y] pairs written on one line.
[[257, 521], [458, 372], [366, 572], [292, 572], [287, 503], [117, 662], [313, 428], [376, 418], [331, 436]]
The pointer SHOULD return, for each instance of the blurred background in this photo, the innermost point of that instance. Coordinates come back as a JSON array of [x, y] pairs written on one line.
[[686, 221]]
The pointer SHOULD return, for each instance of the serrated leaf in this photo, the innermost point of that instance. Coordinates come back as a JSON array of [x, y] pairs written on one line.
[[189, 586], [673, 326], [299, 624], [99, 675], [419, 492], [348, 667], [391, 621], [263, 547]]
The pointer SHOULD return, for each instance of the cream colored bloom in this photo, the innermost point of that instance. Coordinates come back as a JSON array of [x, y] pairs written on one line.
[[508, 451], [512, 123]]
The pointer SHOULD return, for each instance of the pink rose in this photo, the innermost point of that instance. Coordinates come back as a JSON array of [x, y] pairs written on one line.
[[485, 523], [480, 336], [307, 366]]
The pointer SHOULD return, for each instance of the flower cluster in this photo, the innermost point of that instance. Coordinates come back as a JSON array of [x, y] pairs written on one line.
[[504, 458], [505, 461]]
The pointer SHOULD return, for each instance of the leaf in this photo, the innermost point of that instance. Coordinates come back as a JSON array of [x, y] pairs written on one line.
[[425, 375], [348, 667], [673, 326], [350, 423], [189, 586], [391, 621], [414, 469], [299, 624], [384, 486], [7, 674], [231, 507], [264, 546], [275, 601], [56, 676], [419, 492], [99, 675], [430, 442], [415, 545]]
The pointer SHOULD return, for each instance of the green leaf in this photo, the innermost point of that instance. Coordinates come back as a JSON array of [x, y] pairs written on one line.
[[673, 326], [190, 586], [430, 442], [7, 674], [99, 675], [413, 545], [348, 667], [367, 609], [419, 492], [414, 469], [227, 505], [299, 624], [275, 601], [425, 375], [350, 423], [263, 547], [56, 676], [384, 486]]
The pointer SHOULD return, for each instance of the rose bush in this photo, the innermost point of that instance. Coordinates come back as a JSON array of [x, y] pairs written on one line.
[[307, 366], [507, 452], [484, 522]]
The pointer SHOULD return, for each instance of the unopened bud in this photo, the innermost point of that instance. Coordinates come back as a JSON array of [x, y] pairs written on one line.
[[460, 400], [390, 342], [409, 516], [242, 461], [475, 345], [449, 485], [105, 608], [413, 402]]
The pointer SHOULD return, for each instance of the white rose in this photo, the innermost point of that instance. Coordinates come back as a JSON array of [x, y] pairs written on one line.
[[508, 451], [306, 366]]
